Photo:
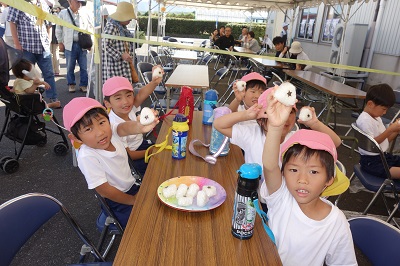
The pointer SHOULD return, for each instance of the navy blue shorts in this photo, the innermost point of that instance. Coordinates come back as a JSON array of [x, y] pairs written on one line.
[[123, 211], [374, 166]]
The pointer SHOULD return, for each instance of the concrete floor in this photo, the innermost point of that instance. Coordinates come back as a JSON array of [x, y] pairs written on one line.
[[43, 171]]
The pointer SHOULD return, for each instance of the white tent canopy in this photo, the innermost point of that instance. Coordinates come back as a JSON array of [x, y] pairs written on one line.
[[254, 4]]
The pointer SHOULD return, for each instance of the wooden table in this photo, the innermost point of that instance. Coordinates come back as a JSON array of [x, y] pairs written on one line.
[[185, 55], [324, 84], [240, 49], [194, 76], [159, 235]]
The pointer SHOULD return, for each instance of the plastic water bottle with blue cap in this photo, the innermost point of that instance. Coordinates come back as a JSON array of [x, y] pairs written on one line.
[[180, 130], [244, 211], [217, 138], [210, 103]]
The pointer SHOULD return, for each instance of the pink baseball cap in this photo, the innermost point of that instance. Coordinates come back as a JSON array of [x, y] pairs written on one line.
[[254, 76], [262, 100], [319, 141], [76, 109], [116, 84]]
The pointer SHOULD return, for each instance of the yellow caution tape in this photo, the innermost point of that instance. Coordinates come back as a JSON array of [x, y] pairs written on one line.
[[38, 12]]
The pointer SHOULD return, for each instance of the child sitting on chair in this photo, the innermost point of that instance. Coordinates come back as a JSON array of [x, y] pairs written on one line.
[[24, 84], [378, 100], [102, 157], [119, 97], [244, 99], [308, 229]]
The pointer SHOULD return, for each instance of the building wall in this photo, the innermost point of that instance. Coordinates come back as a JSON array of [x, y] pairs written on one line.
[[387, 49]]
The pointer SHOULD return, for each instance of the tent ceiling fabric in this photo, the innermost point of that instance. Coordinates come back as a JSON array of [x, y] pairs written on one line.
[[255, 4]]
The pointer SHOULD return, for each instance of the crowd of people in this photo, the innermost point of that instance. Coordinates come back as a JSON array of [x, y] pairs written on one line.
[[299, 166]]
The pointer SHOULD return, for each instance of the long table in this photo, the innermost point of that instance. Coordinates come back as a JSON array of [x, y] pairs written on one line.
[[194, 76], [159, 235], [326, 85]]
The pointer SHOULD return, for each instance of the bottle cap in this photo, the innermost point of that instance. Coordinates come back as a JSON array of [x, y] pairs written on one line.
[[211, 95], [220, 111], [250, 170], [180, 118]]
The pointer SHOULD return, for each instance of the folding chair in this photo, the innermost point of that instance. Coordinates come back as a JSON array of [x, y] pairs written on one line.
[[159, 60], [377, 184], [107, 224], [23, 216], [220, 73], [223, 99], [235, 67], [377, 240], [205, 59]]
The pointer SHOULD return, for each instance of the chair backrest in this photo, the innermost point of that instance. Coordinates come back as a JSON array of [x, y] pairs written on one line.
[[144, 67], [108, 211], [172, 40], [21, 217], [378, 241], [368, 143]]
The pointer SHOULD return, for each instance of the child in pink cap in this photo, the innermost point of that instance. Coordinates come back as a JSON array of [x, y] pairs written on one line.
[[308, 229], [123, 104], [102, 157], [250, 137], [255, 86]]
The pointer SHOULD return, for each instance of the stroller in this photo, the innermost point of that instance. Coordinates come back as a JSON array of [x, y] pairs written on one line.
[[21, 123]]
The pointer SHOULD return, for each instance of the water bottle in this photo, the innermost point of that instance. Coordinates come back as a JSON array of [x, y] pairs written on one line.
[[210, 103], [180, 130], [244, 212], [216, 137]]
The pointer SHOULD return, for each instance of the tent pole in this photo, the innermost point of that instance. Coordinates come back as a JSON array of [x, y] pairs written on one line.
[[382, 6], [149, 32]]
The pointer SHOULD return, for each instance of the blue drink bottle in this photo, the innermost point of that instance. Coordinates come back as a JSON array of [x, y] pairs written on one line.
[[210, 103], [217, 138], [180, 130]]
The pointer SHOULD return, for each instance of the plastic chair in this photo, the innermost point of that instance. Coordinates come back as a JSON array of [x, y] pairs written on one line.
[[23, 216], [377, 184], [107, 224], [376, 239]]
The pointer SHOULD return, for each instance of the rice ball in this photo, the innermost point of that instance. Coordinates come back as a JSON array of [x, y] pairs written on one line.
[[286, 94], [185, 201], [157, 73], [305, 114], [210, 191], [193, 189], [169, 191], [182, 189], [241, 85], [146, 116], [202, 198]]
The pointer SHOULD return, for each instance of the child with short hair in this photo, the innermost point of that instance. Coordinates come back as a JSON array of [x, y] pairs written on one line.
[[119, 97], [250, 137], [308, 229], [255, 86], [378, 100], [28, 85], [102, 157]]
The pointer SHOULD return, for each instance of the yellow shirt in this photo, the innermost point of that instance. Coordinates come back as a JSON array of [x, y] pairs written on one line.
[[20, 85]]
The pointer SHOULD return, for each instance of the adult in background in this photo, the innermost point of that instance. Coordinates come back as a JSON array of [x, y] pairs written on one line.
[[3, 20], [117, 55], [267, 43], [68, 42], [297, 52], [284, 32], [242, 39], [32, 37], [221, 31], [213, 37], [55, 51], [252, 42], [280, 47], [226, 42]]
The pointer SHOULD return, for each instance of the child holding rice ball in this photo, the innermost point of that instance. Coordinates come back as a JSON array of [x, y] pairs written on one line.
[[308, 229], [250, 137]]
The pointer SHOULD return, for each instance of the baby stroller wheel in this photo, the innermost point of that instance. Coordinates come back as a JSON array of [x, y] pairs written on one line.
[[3, 160], [10, 166], [60, 149]]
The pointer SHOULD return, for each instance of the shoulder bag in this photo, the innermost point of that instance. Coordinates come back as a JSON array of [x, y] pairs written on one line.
[[84, 40]]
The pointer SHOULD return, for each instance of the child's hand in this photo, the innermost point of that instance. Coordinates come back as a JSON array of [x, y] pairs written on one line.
[[37, 82], [314, 119], [157, 80], [148, 128], [395, 126], [277, 112], [239, 95], [45, 84], [254, 111]]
